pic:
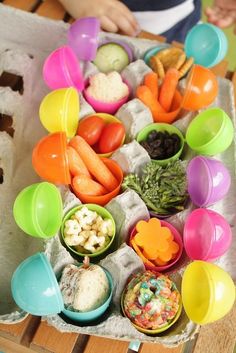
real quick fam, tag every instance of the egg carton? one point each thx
(24, 45)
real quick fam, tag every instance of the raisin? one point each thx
(161, 144)
(175, 137)
(161, 135)
(152, 136)
(170, 151)
(144, 144)
(156, 143)
(158, 153)
(168, 142)
(176, 146)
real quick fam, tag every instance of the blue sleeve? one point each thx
(180, 30)
(152, 5)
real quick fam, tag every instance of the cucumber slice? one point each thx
(111, 57)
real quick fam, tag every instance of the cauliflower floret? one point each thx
(87, 233)
(81, 240)
(107, 88)
(93, 215)
(101, 241)
(106, 227)
(87, 229)
(94, 227)
(90, 248)
(99, 220)
(92, 240)
(85, 217)
(91, 243)
(73, 240)
(96, 223)
(72, 227)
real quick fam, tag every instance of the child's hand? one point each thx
(222, 14)
(114, 16)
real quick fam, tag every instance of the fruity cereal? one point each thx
(151, 301)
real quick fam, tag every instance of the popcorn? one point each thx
(101, 240)
(87, 229)
(85, 216)
(107, 88)
(92, 240)
(73, 240)
(106, 227)
(86, 234)
(90, 248)
(72, 227)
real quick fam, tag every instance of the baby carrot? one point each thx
(160, 262)
(94, 164)
(151, 81)
(82, 184)
(146, 96)
(168, 88)
(140, 254)
(76, 165)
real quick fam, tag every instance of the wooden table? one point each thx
(34, 335)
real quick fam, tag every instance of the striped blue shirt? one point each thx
(171, 18)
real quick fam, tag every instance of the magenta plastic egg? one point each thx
(207, 235)
(62, 69)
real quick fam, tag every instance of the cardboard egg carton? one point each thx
(127, 208)
(134, 116)
(24, 45)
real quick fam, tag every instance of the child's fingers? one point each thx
(210, 14)
(208, 10)
(213, 14)
(123, 23)
(108, 25)
(220, 17)
(126, 27)
(226, 21)
(129, 16)
(211, 11)
(226, 4)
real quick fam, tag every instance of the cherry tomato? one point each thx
(91, 128)
(111, 137)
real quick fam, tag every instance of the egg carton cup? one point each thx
(135, 116)
(121, 263)
(24, 56)
(134, 73)
(131, 157)
(127, 209)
